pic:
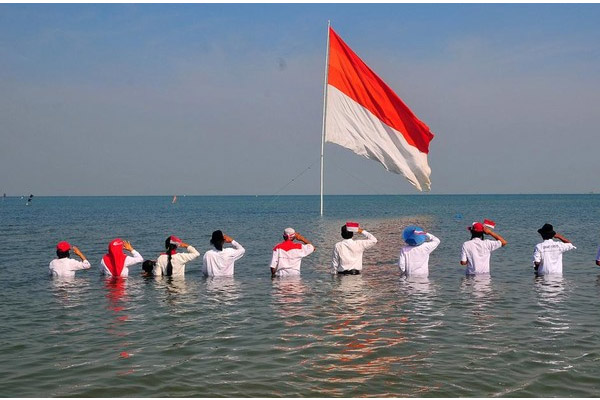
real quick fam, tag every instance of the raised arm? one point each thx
(562, 238)
(238, 250)
(191, 254)
(135, 256)
(496, 236)
(84, 264)
(303, 239)
(371, 240)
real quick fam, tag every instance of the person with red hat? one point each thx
(288, 255)
(172, 263)
(476, 253)
(63, 266)
(116, 262)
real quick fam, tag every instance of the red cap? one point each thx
(174, 239)
(63, 247)
(351, 224)
(476, 227)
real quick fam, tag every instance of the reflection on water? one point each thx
(288, 299)
(482, 297)
(417, 286)
(223, 289)
(68, 291)
(367, 339)
(116, 294)
(552, 321)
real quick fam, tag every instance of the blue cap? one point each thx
(411, 237)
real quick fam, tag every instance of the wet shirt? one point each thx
(414, 260)
(549, 255)
(66, 267)
(178, 261)
(287, 257)
(348, 253)
(477, 252)
(221, 263)
(129, 261)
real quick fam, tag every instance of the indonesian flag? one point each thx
(367, 117)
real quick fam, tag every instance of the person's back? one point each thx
(547, 256)
(221, 261)
(476, 253)
(115, 262)
(348, 254)
(173, 263)
(65, 267)
(414, 258)
(287, 255)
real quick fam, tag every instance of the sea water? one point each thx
(375, 334)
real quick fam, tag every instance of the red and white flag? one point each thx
(367, 117)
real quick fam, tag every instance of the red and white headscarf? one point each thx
(115, 258)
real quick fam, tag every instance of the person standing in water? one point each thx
(172, 263)
(287, 255)
(63, 266)
(220, 262)
(547, 256)
(414, 257)
(115, 262)
(348, 254)
(476, 253)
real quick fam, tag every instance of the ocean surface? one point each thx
(375, 334)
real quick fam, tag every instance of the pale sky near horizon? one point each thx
(220, 99)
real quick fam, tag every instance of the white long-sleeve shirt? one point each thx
(477, 252)
(129, 261)
(549, 255)
(348, 253)
(414, 260)
(222, 263)
(287, 257)
(66, 267)
(178, 261)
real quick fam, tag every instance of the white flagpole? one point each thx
(324, 110)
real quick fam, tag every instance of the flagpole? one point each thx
(324, 110)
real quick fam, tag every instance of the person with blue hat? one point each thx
(414, 257)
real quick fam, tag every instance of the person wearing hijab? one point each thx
(220, 261)
(115, 262)
(172, 263)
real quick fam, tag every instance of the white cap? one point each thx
(289, 233)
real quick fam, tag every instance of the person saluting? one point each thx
(221, 261)
(288, 255)
(172, 263)
(63, 266)
(476, 253)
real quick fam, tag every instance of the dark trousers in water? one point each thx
(349, 272)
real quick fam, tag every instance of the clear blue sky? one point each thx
(227, 99)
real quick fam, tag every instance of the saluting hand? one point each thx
(127, 246)
(228, 239)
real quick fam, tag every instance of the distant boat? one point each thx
(174, 200)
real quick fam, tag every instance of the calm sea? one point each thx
(370, 335)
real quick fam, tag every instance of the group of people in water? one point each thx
(287, 255)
